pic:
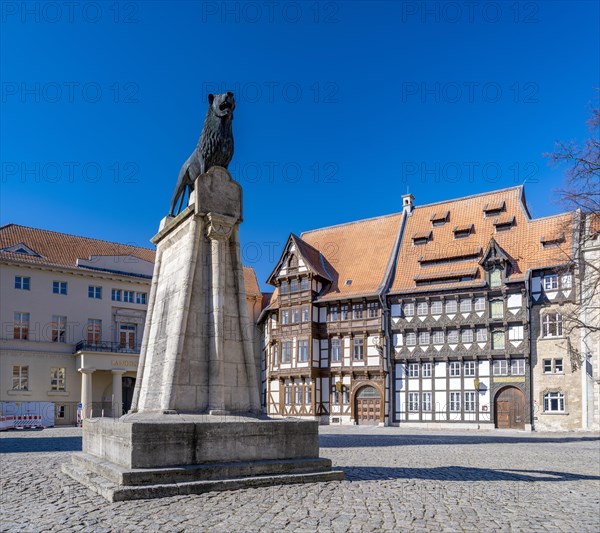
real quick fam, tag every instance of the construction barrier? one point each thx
(28, 421)
(7, 422)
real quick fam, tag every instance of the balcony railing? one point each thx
(117, 347)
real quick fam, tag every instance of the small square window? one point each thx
(451, 307)
(554, 402)
(500, 367)
(95, 292)
(409, 309)
(465, 305)
(129, 296)
(438, 337)
(411, 338)
(558, 366)
(469, 368)
(422, 308)
(116, 295)
(59, 287)
(413, 370)
(454, 368)
(140, 298)
(547, 366)
(22, 283)
(424, 338)
(517, 367)
(550, 282)
(436, 307)
(480, 304)
(452, 336)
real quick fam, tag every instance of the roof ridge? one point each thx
(469, 196)
(77, 236)
(350, 223)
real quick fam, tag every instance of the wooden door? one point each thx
(510, 409)
(368, 406)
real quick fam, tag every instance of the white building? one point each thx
(73, 311)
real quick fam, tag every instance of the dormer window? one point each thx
(551, 240)
(439, 219)
(461, 232)
(494, 208)
(496, 277)
(504, 223)
(422, 238)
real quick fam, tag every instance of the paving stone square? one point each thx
(396, 480)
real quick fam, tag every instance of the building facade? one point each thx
(73, 311)
(429, 317)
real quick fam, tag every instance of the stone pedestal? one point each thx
(195, 422)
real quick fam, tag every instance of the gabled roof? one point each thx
(312, 258)
(521, 242)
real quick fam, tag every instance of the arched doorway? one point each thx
(509, 407)
(367, 405)
(128, 386)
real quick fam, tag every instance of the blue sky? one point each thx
(341, 107)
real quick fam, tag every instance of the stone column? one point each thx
(86, 391)
(219, 230)
(117, 398)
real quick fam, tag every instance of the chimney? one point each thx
(408, 203)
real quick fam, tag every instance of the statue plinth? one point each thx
(195, 423)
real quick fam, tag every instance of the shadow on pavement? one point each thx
(358, 441)
(40, 444)
(458, 473)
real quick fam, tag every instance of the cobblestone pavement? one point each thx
(397, 480)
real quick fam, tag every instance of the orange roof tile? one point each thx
(357, 251)
(251, 283)
(61, 249)
(521, 242)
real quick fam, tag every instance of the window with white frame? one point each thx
(357, 311)
(438, 336)
(436, 307)
(275, 353)
(408, 309)
(422, 309)
(500, 367)
(455, 402)
(116, 295)
(517, 367)
(95, 292)
(452, 336)
(336, 350)
(466, 335)
(308, 393)
(411, 338)
(358, 349)
(515, 333)
(553, 366)
(469, 401)
(481, 334)
(465, 305)
(59, 287)
(552, 325)
(413, 370)
(413, 401)
(302, 351)
(469, 368)
(550, 282)
(426, 404)
(426, 370)
(424, 338)
(57, 378)
(554, 402)
(21, 326)
(285, 316)
(372, 309)
(305, 314)
(140, 298)
(286, 351)
(480, 303)
(287, 395)
(566, 281)
(498, 340)
(129, 296)
(454, 368)
(333, 313)
(344, 312)
(295, 316)
(20, 377)
(59, 328)
(298, 395)
(23, 283)
(451, 307)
